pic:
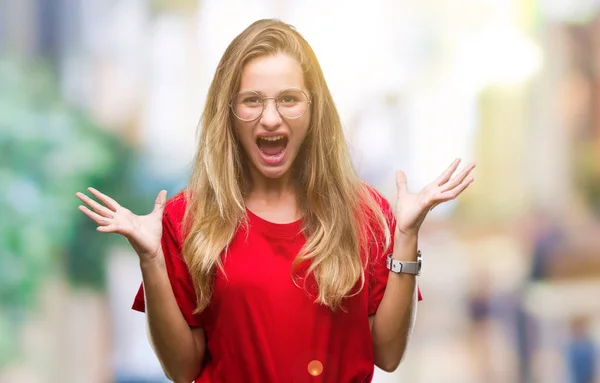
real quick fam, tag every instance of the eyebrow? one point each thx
(261, 93)
(251, 90)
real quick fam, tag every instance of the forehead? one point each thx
(271, 74)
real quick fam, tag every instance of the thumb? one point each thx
(159, 204)
(401, 182)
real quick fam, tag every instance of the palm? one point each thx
(408, 212)
(412, 208)
(142, 232)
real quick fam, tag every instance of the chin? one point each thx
(273, 174)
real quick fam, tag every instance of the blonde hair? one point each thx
(341, 214)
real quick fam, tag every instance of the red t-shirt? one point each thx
(259, 326)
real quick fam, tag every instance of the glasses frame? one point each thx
(264, 104)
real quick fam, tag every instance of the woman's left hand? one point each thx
(412, 208)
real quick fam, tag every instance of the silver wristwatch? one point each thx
(403, 267)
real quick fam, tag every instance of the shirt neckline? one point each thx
(280, 230)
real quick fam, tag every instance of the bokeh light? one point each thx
(315, 368)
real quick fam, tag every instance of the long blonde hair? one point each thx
(341, 215)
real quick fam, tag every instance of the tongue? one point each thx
(271, 148)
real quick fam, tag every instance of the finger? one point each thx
(96, 207)
(111, 203)
(445, 176)
(452, 194)
(107, 229)
(401, 182)
(97, 218)
(161, 201)
(460, 177)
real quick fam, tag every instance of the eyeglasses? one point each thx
(249, 105)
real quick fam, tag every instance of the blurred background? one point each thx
(108, 93)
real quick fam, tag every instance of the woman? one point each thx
(272, 265)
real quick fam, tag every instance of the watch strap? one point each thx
(404, 267)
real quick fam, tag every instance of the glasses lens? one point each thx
(247, 105)
(292, 103)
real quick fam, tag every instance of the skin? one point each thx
(272, 195)
(392, 325)
(181, 349)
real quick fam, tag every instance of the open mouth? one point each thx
(272, 146)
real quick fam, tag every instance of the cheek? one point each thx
(244, 135)
(301, 130)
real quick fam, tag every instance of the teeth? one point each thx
(272, 138)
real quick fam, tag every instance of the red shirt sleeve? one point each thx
(379, 273)
(179, 276)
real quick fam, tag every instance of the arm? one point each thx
(394, 320)
(179, 347)
(167, 294)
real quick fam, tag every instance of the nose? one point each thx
(270, 119)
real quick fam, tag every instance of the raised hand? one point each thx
(412, 208)
(143, 232)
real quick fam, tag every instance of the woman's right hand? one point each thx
(143, 232)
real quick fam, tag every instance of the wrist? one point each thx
(156, 260)
(405, 246)
(406, 237)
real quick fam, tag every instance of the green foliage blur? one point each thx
(48, 151)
